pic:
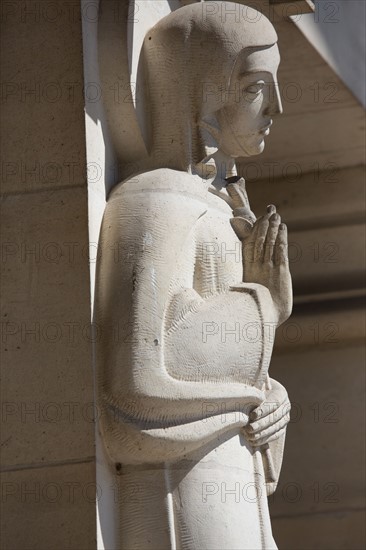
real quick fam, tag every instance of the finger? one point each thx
(269, 246)
(238, 194)
(260, 238)
(270, 439)
(271, 209)
(281, 247)
(269, 420)
(244, 212)
(242, 227)
(268, 407)
(262, 436)
(260, 230)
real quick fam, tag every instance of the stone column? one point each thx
(47, 429)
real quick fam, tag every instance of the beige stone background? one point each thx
(54, 174)
(47, 431)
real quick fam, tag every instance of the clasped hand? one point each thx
(268, 422)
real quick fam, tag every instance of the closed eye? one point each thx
(255, 88)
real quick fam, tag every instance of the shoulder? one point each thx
(157, 199)
(162, 180)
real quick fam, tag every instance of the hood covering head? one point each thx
(189, 58)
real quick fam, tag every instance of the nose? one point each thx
(279, 102)
(275, 103)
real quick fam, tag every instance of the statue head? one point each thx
(211, 72)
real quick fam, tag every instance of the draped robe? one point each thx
(182, 360)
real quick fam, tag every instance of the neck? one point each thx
(225, 168)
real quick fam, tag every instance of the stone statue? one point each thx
(190, 288)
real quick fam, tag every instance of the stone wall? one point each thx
(47, 429)
(319, 357)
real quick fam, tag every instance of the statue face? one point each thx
(253, 101)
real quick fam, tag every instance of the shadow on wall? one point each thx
(337, 31)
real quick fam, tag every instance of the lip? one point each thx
(266, 129)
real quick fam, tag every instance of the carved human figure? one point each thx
(192, 287)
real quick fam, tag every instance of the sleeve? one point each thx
(163, 364)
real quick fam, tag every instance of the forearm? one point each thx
(131, 441)
(209, 360)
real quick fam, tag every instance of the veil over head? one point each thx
(189, 59)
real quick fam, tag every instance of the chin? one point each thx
(258, 148)
(253, 149)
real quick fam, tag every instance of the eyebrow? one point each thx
(248, 73)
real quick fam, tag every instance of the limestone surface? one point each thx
(190, 289)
